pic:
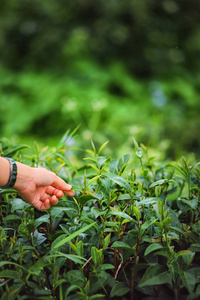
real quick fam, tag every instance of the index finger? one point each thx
(60, 184)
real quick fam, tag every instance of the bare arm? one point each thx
(37, 186)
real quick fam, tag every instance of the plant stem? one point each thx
(132, 285)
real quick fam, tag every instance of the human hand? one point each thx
(40, 187)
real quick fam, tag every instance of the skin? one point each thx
(37, 186)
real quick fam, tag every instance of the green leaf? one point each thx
(146, 224)
(188, 280)
(11, 151)
(160, 182)
(96, 212)
(14, 291)
(3, 263)
(106, 241)
(121, 214)
(139, 152)
(118, 180)
(119, 289)
(167, 220)
(93, 179)
(119, 244)
(135, 143)
(187, 256)
(155, 275)
(57, 244)
(40, 220)
(147, 201)
(75, 277)
(137, 212)
(97, 296)
(18, 203)
(83, 199)
(160, 209)
(180, 169)
(124, 197)
(72, 257)
(101, 160)
(7, 191)
(11, 218)
(104, 267)
(194, 248)
(102, 147)
(96, 254)
(189, 203)
(177, 230)
(9, 274)
(38, 266)
(153, 247)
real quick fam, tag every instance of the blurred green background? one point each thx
(118, 68)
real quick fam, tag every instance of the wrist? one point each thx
(24, 176)
(9, 168)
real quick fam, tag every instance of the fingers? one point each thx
(42, 205)
(53, 191)
(70, 193)
(53, 200)
(61, 184)
(45, 202)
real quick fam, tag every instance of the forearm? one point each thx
(24, 174)
(4, 171)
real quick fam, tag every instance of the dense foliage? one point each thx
(107, 104)
(118, 68)
(152, 38)
(132, 231)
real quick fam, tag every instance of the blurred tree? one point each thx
(152, 38)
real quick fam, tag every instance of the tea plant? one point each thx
(126, 234)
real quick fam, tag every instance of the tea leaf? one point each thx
(12, 218)
(102, 147)
(57, 244)
(101, 160)
(96, 254)
(72, 257)
(42, 219)
(12, 151)
(155, 275)
(137, 212)
(119, 244)
(19, 204)
(96, 212)
(83, 199)
(106, 241)
(104, 267)
(146, 225)
(167, 220)
(152, 247)
(93, 179)
(75, 277)
(119, 289)
(124, 197)
(119, 180)
(160, 182)
(9, 274)
(135, 143)
(188, 280)
(122, 215)
(147, 201)
(177, 230)
(3, 263)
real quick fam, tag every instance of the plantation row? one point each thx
(126, 234)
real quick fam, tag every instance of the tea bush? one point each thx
(108, 103)
(128, 233)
